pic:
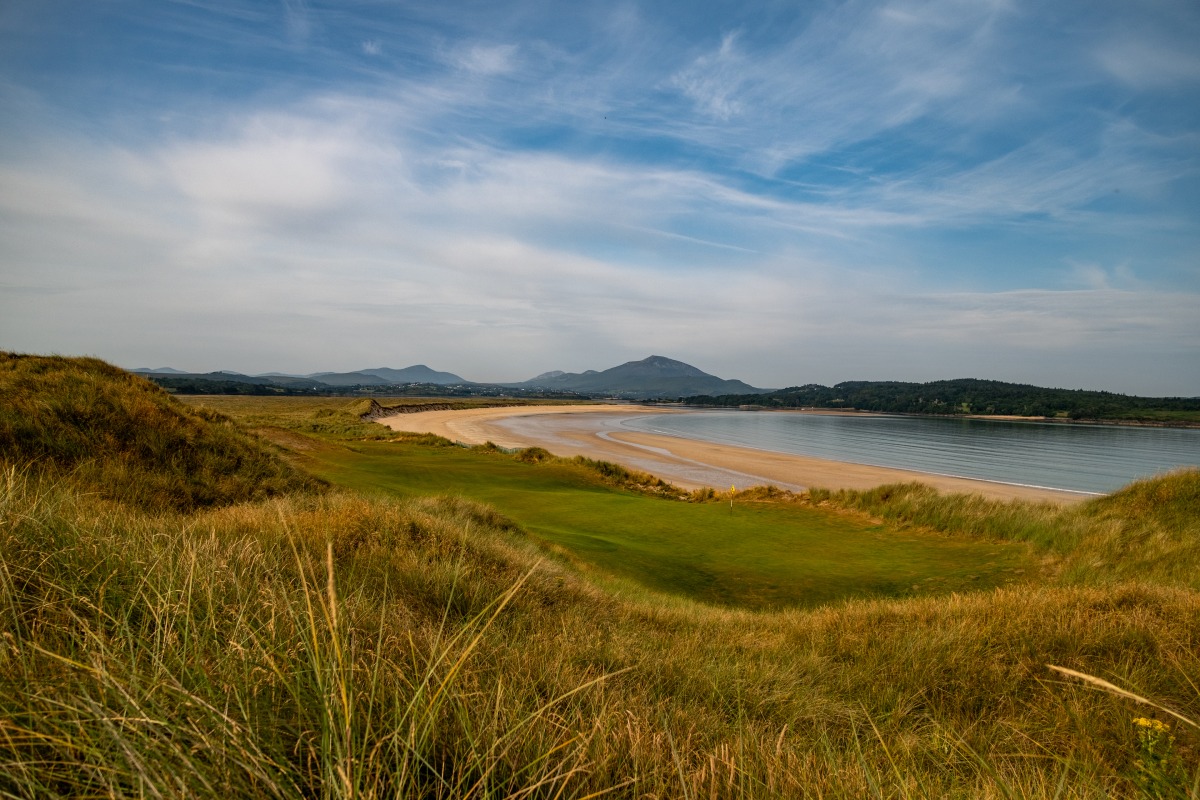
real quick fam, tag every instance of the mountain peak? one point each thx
(658, 367)
(417, 373)
(654, 376)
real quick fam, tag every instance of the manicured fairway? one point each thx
(760, 555)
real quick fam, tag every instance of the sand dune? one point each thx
(595, 431)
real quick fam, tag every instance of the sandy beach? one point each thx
(595, 431)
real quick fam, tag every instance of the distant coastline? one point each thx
(851, 412)
(970, 397)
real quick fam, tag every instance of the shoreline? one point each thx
(860, 412)
(594, 431)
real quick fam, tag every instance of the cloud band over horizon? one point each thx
(857, 190)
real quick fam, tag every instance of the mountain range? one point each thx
(379, 376)
(650, 378)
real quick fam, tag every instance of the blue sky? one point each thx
(779, 192)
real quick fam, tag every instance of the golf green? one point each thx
(755, 554)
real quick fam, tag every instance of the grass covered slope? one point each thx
(1147, 531)
(125, 438)
(344, 645)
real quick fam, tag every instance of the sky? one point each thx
(776, 191)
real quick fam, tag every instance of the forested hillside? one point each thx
(970, 396)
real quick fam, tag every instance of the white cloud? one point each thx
(850, 74)
(713, 81)
(297, 21)
(275, 169)
(471, 257)
(1151, 64)
(487, 59)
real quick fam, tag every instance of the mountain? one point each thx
(222, 375)
(418, 373)
(653, 377)
(379, 376)
(349, 379)
(386, 376)
(174, 378)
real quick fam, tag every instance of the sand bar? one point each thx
(595, 431)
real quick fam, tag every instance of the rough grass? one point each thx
(344, 647)
(123, 437)
(337, 418)
(1150, 530)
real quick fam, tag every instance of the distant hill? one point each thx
(969, 396)
(175, 379)
(267, 383)
(656, 377)
(653, 377)
(349, 379)
(418, 373)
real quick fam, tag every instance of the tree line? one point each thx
(968, 396)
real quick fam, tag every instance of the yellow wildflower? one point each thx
(1152, 724)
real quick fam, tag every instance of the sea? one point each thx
(1083, 458)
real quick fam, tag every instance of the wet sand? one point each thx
(595, 431)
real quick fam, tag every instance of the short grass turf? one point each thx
(759, 555)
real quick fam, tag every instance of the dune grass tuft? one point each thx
(123, 437)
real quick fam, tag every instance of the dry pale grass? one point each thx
(338, 646)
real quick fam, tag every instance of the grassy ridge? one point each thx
(1148, 531)
(344, 645)
(125, 438)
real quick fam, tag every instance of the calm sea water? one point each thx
(1078, 457)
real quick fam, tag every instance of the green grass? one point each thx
(761, 555)
(757, 555)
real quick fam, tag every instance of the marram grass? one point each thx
(1148, 531)
(343, 647)
(130, 441)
